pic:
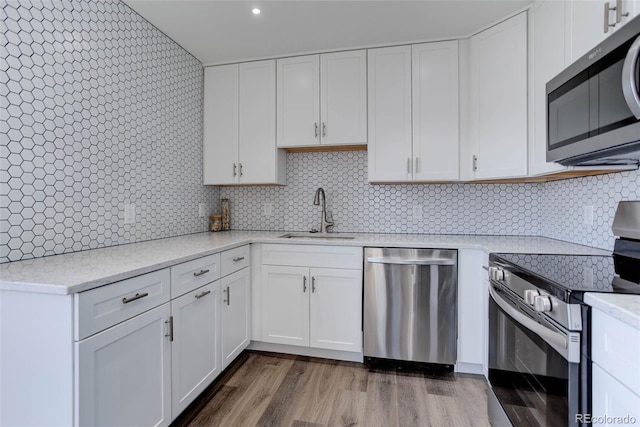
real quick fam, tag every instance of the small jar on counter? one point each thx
(215, 222)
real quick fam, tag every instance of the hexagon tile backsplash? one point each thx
(100, 109)
(553, 209)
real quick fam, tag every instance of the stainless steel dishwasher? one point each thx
(410, 304)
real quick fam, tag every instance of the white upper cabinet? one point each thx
(548, 58)
(298, 101)
(499, 100)
(322, 99)
(586, 21)
(239, 125)
(413, 113)
(220, 150)
(390, 141)
(435, 111)
(343, 98)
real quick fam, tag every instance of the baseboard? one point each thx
(469, 368)
(306, 351)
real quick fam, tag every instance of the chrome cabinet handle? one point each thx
(619, 13)
(313, 284)
(133, 298)
(607, 18)
(324, 129)
(304, 284)
(203, 294)
(234, 169)
(475, 163)
(240, 169)
(170, 333)
(238, 258)
(228, 300)
(315, 125)
(201, 272)
(629, 84)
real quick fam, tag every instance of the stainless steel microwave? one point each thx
(593, 106)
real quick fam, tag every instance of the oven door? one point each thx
(529, 372)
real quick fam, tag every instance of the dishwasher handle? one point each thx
(412, 261)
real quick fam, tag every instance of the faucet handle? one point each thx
(329, 219)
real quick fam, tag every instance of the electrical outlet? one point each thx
(130, 213)
(416, 212)
(200, 210)
(587, 215)
(267, 209)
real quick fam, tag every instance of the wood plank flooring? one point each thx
(269, 389)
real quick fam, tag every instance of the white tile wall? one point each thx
(553, 209)
(358, 206)
(99, 109)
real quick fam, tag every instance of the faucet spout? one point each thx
(320, 199)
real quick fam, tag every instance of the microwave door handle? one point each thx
(629, 80)
(554, 338)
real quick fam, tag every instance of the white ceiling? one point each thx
(218, 32)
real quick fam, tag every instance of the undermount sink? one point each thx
(314, 236)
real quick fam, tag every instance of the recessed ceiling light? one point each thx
(255, 11)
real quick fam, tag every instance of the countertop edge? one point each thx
(623, 307)
(269, 237)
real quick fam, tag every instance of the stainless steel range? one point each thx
(539, 327)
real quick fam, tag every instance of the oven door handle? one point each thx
(554, 338)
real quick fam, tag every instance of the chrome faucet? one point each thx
(324, 223)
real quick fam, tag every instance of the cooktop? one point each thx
(570, 276)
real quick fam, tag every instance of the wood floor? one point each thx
(268, 389)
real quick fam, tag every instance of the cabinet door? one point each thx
(612, 399)
(389, 100)
(585, 25)
(257, 152)
(195, 350)
(548, 59)
(343, 97)
(123, 374)
(220, 150)
(285, 305)
(298, 101)
(235, 314)
(499, 99)
(336, 309)
(435, 111)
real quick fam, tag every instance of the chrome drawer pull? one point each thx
(201, 272)
(170, 324)
(203, 294)
(238, 258)
(228, 300)
(133, 298)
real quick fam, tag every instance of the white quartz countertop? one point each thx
(625, 308)
(80, 271)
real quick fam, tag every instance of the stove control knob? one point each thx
(496, 273)
(530, 295)
(542, 304)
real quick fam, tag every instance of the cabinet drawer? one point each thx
(106, 306)
(615, 346)
(234, 260)
(191, 275)
(313, 256)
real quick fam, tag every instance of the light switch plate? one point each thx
(130, 213)
(416, 212)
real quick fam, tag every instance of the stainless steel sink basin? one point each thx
(314, 236)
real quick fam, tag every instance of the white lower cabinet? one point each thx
(195, 346)
(307, 304)
(236, 305)
(315, 307)
(123, 373)
(611, 399)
